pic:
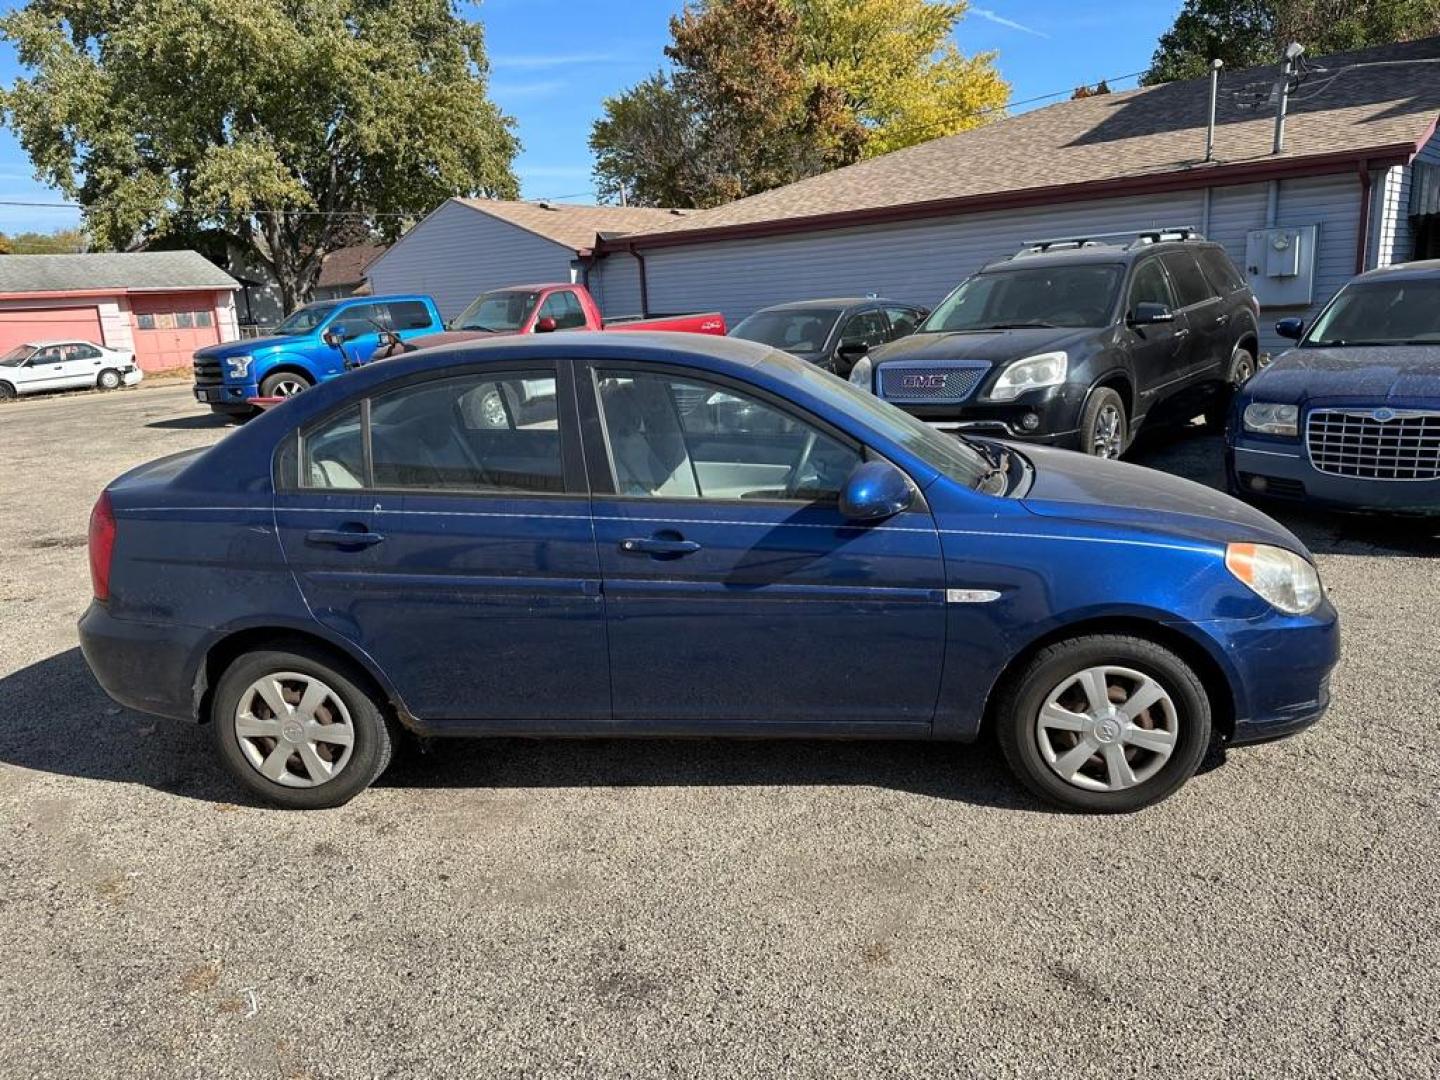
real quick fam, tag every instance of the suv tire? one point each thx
(1241, 370)
(1104, 427)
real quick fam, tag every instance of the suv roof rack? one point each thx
(1137, 239)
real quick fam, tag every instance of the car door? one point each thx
(1159, 352)
(1205, 316)
(735, 591)
(563, 306)
(452, 542)
(361, 325)
(45, 370)
(82, 363)
(859, 333)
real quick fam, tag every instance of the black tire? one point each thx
(7, 392)
(109, 379)
(1241, 370)
(375, 733)
(277, 384)
(1104, 405)
(1018, 709)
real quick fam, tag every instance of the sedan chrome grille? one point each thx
(924, 384)
(1375, 444)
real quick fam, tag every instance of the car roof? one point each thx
(1421, 268)
(373, 299)
(60, 341)
(1093, 254)
(836, 301)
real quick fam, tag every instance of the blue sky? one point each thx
(555, 60)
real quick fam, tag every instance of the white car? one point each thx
(65, 365)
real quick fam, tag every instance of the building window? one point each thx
(145, 322)
(184, 320)
(204, 318)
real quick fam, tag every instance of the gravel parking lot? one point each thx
(699, 908)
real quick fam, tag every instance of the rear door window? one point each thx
(408, 315)
(1220, 270)
(1190, 285)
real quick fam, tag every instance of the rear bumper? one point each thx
(148, 667)
(1268, 469)
(133, 377)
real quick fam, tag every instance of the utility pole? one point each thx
(1293, 52)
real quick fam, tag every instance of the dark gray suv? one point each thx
(1077, 341)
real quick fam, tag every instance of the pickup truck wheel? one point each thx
(109, 379)
(296, 727)
(1105, 724)
(284, 384)
(1104, 428)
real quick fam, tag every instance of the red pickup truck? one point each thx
(541, 309)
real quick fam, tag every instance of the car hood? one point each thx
(986, 346)
(1083, 488)
(1371, 373)
(252, 346)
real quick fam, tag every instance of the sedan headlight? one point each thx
(238, 366)
(1282, 578)
(1032, 373)
(1268, 418)
(862, 374)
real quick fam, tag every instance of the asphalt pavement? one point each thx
(700, 908)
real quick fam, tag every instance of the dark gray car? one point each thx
(831, 333)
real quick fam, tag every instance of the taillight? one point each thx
(102, 545)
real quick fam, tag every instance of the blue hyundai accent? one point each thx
(673, 535)
(1350, 418)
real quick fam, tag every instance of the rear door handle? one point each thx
(658, 546)
(344, 537)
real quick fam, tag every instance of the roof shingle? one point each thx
(119, 271)
(346, 266)
(573, 225)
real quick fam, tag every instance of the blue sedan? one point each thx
(1350, 418)
(676, 535)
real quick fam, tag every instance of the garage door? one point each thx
(169, 328)
(19, 325)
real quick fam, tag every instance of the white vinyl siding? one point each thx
(459, 252)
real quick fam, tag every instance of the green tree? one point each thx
(289, 126)
(58, 242)
(765, 92)
(1248, 33)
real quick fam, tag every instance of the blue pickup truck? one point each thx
(316, 343)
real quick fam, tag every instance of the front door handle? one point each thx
(344, 537)
(655, 545)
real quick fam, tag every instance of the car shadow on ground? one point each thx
(1185, 452)
(198, 422)
(54, 718)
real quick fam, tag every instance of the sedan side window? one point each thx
(903, 321)
(678, 438)
(868, 328)
(1150, 286)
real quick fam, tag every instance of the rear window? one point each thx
(1190, 284)
(1220, 270)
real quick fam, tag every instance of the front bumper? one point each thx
(149, 667)
(226, 395)
(1050, 417)
(1276, 469)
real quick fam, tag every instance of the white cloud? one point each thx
(1000, 20)
(503, 91)
(543, 61)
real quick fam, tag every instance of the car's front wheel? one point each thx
(284, 384)
(299, 728)
(1104, 427)
(1104, 723)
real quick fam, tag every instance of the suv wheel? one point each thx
(1105, 724)
(1242, 369)
(1104, 429)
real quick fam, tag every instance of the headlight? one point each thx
(1270, 419)
(1032, 373)
(862, 375)
(1280, 577)
(238, 366)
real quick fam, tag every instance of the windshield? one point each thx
(797, 330)
(16, 356)
(1037, 296)
(1405, 312)
(306, 319)
(505, 310)
(951, 456)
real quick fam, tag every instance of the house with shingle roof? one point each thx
(467, 246)
(342, 272)
(1358, 180)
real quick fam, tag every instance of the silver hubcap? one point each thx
(288, 387)
(1244, 368)
(1109, 433)
(109, 381)
(1107, 728)
(294, 730)
(493, 410)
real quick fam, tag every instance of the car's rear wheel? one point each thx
(299, 728)
(1104, 724)
(109, 379)
(1104, 427)
(284, 384)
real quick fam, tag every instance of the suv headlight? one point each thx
(1032, 373)
(862, 374)
(1282, 578)
(237, 367)
(1268, 418)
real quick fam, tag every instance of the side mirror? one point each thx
(1290, 328)
(876, 490)
(1148, 314)
(545, 325)
(334, 337)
